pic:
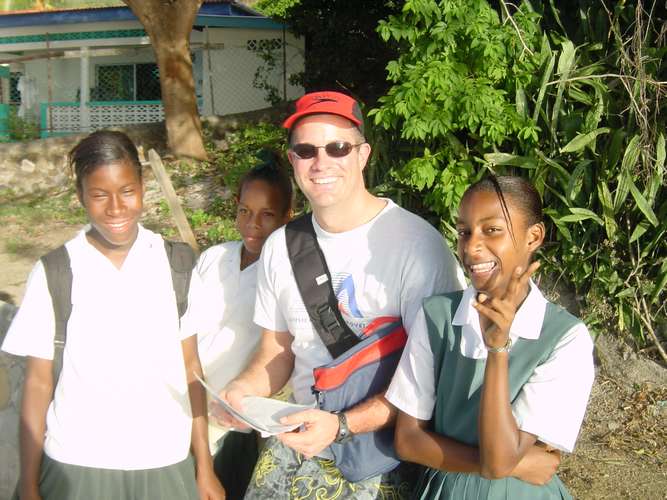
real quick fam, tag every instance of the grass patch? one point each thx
(62, 208)
(20, 247)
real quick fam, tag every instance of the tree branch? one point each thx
(516, 28)
(608, 75)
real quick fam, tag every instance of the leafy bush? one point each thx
(21, 129)
(342, 49)
(572, 102)
(216, 223)
(244, 145)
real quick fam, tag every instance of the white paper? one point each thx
(262, 414)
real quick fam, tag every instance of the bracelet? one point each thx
(505, 348)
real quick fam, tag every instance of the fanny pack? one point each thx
(362, 366)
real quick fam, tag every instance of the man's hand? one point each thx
(538, 465)
(233, 393)
(319, 430)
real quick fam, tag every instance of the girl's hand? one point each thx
(29, 492)
(209, 486)
(538, 465)
(498, 313)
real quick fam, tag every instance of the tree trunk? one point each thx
(169, 24)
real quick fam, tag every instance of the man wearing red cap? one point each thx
(383, 261)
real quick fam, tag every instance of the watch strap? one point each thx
(505, 348)
(343, 435)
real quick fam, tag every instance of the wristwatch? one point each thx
(505, 348)
(344, 434)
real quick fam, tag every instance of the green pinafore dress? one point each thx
(459, 381)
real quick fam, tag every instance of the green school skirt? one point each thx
(440, 485)
(60, 481)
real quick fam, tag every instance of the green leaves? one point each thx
(583, 140)
(643, 205)
(469, 95)
(581, 214)
(604, 196)
(565, 64)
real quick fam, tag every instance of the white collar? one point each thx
(527, 322)
(145, 241)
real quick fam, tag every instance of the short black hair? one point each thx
(273, 171)
(102, 148)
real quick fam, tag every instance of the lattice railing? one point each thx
(65, 117)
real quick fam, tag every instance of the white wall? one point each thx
(233, 67)
(229, 88)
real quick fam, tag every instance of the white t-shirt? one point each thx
(122, 399)
(382, 268)
(550, 405)
(220, 313)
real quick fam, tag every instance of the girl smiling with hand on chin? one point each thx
(126, 411)
(503, 374)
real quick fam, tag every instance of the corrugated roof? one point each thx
(232, 6)
(216, 8)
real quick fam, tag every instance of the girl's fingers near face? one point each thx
(489, 312)
(513, 285)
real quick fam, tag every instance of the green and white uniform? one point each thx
(442, 369)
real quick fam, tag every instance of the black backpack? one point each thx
(59, 280)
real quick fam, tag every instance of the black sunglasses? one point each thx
(336, 149)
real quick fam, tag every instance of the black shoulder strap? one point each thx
(59, 280)
(182, 260)
(314, 282)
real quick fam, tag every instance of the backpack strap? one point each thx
(59, 281)
(182, 261)
(314, 283)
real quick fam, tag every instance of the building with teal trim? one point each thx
(94, 68)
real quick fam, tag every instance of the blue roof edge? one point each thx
(209, 12)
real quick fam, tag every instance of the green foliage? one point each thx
(343, 51)
(244, 145)
(216, 223)
(263, 75)
(61, 208)
(454, 91)
(275, 8)
(21, 129)
(539, 94)
(18, 246)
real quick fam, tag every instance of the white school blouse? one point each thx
(220, 313)
(122, 399)
(550, 405)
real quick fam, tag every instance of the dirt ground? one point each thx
(622, 450)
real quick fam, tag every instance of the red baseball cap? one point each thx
(327, 102)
